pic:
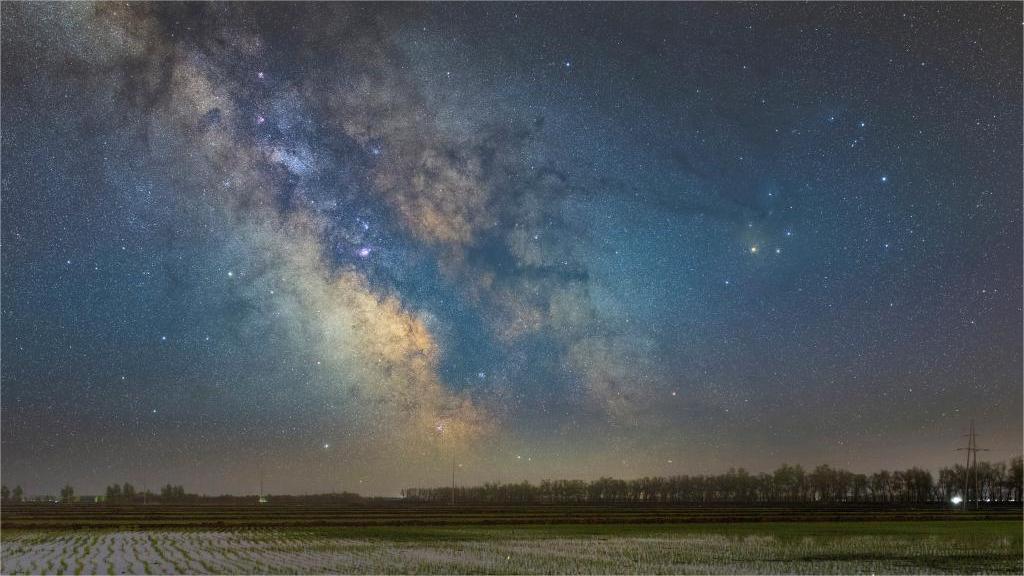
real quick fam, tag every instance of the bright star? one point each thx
(753, 249)
(364, 252)
(885, 178)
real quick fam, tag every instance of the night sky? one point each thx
(348, 243)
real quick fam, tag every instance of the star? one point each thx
(885, 178)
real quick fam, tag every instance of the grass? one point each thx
(756, 547)
(967, 529)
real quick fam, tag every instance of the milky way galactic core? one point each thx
(351, 244)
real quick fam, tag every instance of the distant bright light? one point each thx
(753, 249)
(885, 178)
(956, 500)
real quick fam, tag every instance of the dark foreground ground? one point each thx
(44, 515)
(51, 539)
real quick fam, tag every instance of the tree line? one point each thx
(171, 493)
(17, 495)
(996, 482)
(124, 493)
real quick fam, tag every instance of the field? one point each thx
(529, 540)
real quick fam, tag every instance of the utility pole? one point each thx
(971, 464)
(260, 499)
(440, 428)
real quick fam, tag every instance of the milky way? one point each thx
(348, 244)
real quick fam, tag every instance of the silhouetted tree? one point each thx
(1015, 480)
(17, 494)
(67, 493)
(172, 492)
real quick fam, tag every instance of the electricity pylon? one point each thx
(971, 465)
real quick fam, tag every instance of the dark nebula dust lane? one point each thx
(349, 243)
